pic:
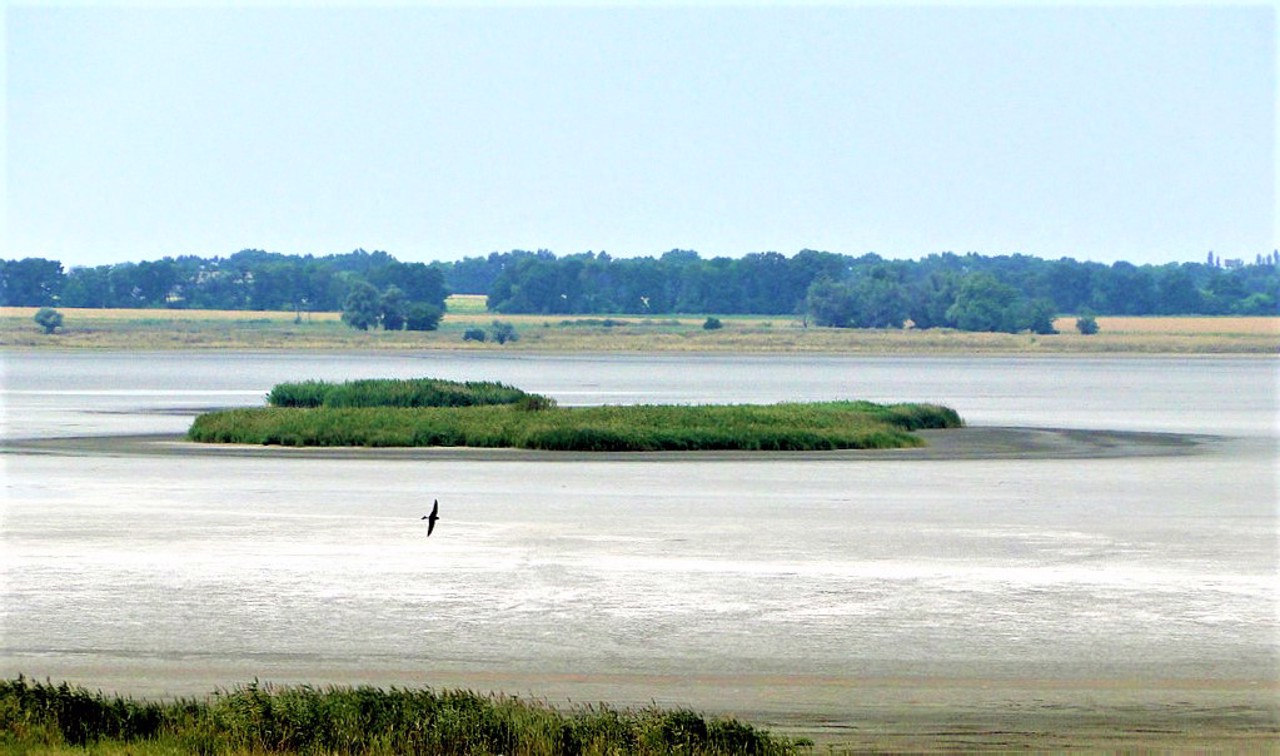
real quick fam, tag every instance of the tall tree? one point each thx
(362, 306)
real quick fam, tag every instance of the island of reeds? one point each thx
(428, 412)
(258, 719)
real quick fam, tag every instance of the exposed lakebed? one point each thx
(1132, 567)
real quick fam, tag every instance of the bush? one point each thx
(49, 319)
(502, 332)
(712, 324)
(421, 316)
(1087, 324)
(474, 334)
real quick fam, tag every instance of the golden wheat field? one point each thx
(1226, 325)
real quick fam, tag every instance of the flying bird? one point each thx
(431, 518)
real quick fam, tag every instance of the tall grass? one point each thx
(341, 720)
(777, 427)
(420, 392)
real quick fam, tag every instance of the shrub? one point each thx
(535, 403)
(49, 319)
(712, 324)
(421, 316)
(474, 334)
(1087, 324)
(502, 332)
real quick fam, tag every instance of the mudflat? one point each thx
(960, 443)
(898, 708)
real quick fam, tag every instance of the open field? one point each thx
(215, 329)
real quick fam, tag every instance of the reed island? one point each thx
(432, 412)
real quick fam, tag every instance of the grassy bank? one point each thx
(789, 427)
(201, 329)
(253, 719)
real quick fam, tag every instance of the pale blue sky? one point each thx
(1101, 132)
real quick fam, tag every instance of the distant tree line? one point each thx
(386, 292)
(969, 292)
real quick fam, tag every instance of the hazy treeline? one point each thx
(938, 290)
(247, 280)
(970, 291)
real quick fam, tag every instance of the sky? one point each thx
(1104, 132)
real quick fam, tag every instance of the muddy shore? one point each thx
(961, 443)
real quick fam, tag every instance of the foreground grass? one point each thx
(254, 719)
(776, 427)
(203, 329)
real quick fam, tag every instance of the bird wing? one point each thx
(431, 520)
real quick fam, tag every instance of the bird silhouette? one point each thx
(431, 518)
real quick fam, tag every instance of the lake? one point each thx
(773, 585)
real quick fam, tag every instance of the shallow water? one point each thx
(1154, 567)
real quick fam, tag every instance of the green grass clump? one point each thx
(531, 425)
(255, 719)
(420, 392)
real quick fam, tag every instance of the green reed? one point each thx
(419, 392)
(529, 425)
(48, 718)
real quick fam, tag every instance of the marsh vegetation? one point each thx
(422, 392)
(776, 427)
(433, 412)
(253, 719)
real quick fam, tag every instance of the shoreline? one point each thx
(968, 443)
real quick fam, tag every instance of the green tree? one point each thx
(712, 324)
(982, 304)
(392, 308)
(931, 298)
(362, 306)
(829, 303)
(880, 299)
(1177, 293)
(30, 282)
(49, 319)
(87, 287)
(420, 316)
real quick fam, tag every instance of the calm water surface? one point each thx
(1154, 567)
